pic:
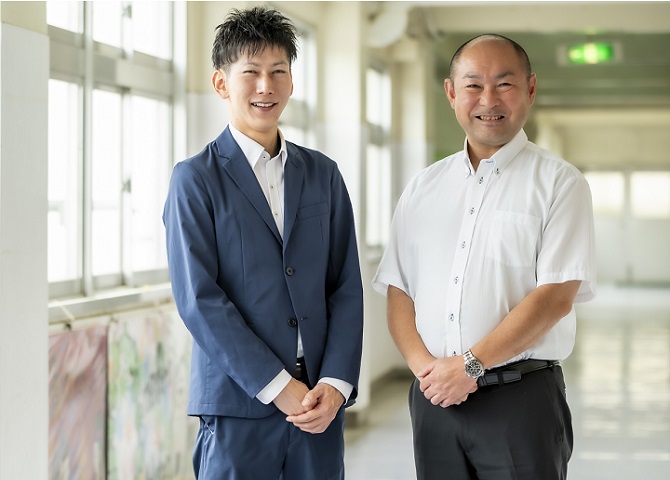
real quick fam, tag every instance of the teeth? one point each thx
(262, 104)
(490, 117)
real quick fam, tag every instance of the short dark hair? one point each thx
(523, 56)
(250, 32)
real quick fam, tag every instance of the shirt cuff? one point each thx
(343, 387)
(274, 388)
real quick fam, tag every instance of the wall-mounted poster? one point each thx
(149, 434)
(77, 400)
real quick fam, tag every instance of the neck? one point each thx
(268, 140)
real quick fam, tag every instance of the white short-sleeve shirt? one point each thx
(468, 246)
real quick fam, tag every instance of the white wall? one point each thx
(23, 252)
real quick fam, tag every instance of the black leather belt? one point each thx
(513, 372)
(300, 372)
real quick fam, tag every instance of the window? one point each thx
(64, 220)
(607, 191)
(297, 120)
(378, 167)
(650, 194)
(111, 102)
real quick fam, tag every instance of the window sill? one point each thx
(108, 302)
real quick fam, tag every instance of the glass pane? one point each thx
(650, 194)
(378, 195)
(106, 183)
(65, 15)
(299, 71)
(64, 246)
(607, 190)
(149, 169)
(378, 98)
(107, 18)
(152, 28)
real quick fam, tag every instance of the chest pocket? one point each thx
(313, 211)
(512, 239)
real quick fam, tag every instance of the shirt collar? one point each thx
(503, 156)
(253, 150)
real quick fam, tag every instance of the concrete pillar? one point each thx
(24, 378)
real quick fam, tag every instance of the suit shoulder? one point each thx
(310, 155)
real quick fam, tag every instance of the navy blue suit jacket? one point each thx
(241, 290)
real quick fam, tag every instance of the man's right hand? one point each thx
(290, 398)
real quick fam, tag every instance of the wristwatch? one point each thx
(473, 367)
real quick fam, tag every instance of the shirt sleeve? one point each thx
(568, 240)
(343, 387)
(390, 270)
(274, 388)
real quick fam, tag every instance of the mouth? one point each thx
(263, 104)
(489, 118)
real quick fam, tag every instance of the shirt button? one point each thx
(481, 180)
(289, 271)
(454, 354)
(455, 279)
(292, 322)
(463, 245)
(472, 210)
(451, 317)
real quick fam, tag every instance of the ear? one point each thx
(220, 84)
(532, 87)
(450, 91)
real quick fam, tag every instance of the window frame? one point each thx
(379, 135)
(77, 59)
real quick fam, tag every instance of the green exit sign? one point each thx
(591, 53)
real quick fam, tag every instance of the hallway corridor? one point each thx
(618, 386)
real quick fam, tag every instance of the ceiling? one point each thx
(640, 31)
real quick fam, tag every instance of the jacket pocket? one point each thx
(313, 210)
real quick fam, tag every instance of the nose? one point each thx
(489, 97)
(264, 84)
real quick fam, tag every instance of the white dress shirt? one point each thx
(468, 246)
(270, 175)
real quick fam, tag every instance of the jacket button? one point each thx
(292, 322)
(289, 271)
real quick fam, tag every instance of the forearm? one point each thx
(526, 323)
(401, 319)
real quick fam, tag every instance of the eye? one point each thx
(504, 86)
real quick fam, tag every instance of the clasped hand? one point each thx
(309, 410)
(444, 382)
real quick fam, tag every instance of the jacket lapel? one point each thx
(234, 162)
(294, 173)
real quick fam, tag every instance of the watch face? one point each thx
(474, 369)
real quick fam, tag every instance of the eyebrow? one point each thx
(508, 73)
(256, 64)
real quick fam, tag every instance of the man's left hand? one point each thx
(444, 382)
(323, 403)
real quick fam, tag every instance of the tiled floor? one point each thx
(618, 381)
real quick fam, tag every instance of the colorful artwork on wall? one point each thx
(149, 434)
(77, 404)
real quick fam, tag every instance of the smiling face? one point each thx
(257, 89)
(491, 93)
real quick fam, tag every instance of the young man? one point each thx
(265, 274)
(489, 250)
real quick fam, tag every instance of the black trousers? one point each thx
(520, 431)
